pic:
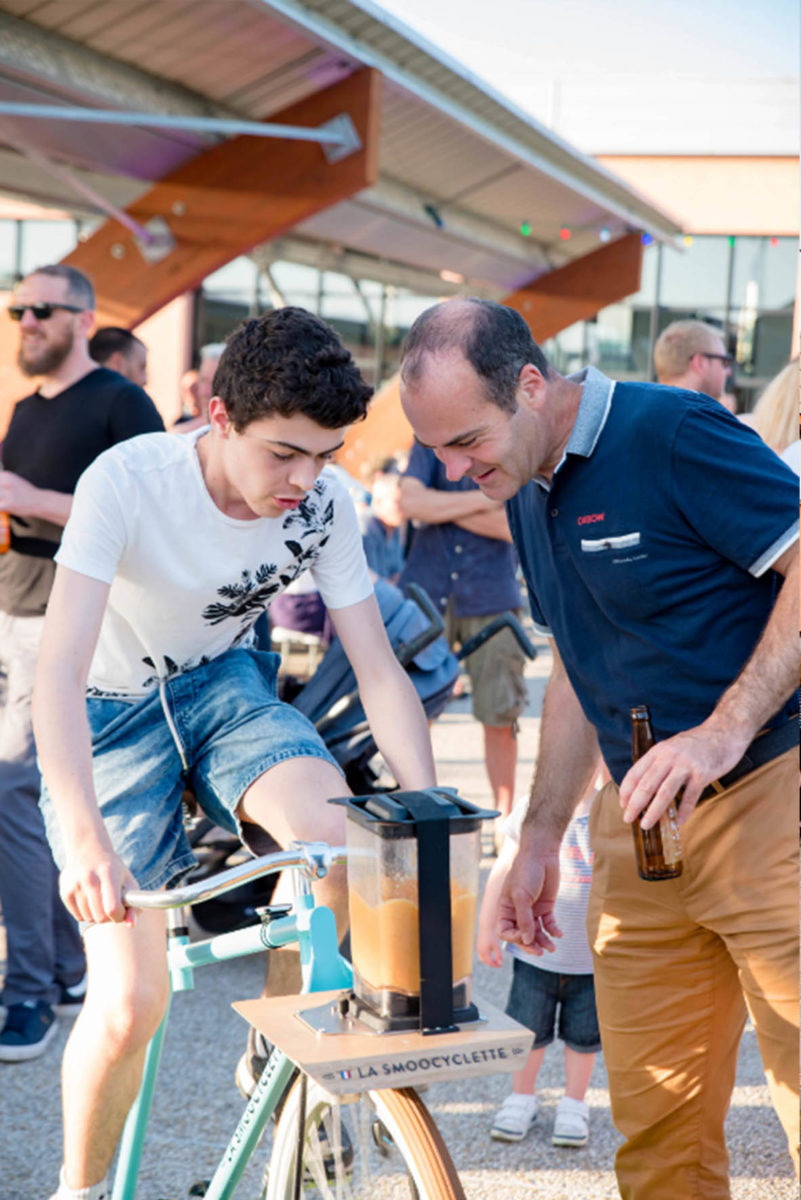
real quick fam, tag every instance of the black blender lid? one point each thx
(397, 814)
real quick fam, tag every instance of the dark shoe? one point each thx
(30, 1027)
(70, 1002)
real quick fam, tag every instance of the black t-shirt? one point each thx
(50, 442)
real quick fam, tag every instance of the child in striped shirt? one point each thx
(541, 985)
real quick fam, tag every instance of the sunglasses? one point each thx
(42, 312)
(726, 359)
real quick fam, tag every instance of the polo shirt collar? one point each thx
(593, 410)
(596, 400)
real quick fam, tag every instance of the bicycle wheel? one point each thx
(380, 1145)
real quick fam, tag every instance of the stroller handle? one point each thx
(408, 651)
(505, 620)
(405, 652)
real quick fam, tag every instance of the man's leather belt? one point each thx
(763, 749)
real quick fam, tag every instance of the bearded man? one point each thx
(78, 410)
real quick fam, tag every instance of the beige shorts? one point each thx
(495, 669)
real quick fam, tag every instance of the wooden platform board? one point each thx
(356, 1062)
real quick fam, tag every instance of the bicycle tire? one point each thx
(401, 1154)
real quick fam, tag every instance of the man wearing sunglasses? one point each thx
(77, 410)
(691, 355)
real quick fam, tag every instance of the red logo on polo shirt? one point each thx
(591, 518)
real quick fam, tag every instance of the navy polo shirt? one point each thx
(649, 556)
(448, 561)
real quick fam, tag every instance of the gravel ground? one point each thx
(197, 1104)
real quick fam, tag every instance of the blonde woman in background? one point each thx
(775, 415)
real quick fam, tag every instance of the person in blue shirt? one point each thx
(382, 523)
(659, 541)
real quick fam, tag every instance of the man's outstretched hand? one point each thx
(525, 911)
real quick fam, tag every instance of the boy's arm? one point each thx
(488, 944)
(93, 875)
(394, 712)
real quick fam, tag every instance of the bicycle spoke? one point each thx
(349, 1153)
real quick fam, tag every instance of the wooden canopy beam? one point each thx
(229, 199)
(581, 289)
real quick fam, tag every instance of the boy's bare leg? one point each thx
(290, 800)
(126, 997)
(524, 1081)
(578, 1069)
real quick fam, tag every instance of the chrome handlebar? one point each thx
(313, 859)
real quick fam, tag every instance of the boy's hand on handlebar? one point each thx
(92, 888)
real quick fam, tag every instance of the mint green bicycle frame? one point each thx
(311, 926)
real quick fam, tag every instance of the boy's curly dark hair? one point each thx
(289, 361)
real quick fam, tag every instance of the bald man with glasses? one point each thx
(77, 410)
(691, 355)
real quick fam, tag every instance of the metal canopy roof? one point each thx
(459, 168)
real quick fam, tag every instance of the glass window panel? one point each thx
(45, 242)
(403, 308)
(217, 317)
(336, 284)
(235, 281)
(764, 274)
(298, 284)
(337, 306)
(695, 277)
(647, 290)
(8, 244)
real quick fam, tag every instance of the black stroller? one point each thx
(330, 699)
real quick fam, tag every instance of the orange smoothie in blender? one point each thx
(385, 939)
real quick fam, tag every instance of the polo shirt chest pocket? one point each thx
(618, 571)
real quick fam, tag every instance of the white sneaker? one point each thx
(515, 1117)
(572, 1124)
(97, 1191)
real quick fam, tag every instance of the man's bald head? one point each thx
(495, 341)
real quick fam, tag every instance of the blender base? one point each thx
(349, 1014)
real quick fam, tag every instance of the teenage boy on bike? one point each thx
(148, 682)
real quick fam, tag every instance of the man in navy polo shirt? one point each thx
(658, 537)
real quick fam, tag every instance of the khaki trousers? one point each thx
(676, 963)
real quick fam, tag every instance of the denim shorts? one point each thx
(232, 728)
(533, 1000)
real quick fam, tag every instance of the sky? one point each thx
(702, 76)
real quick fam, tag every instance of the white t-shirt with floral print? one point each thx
(187, 581)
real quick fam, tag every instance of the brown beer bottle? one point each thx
(5, 533)
(658, 849)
